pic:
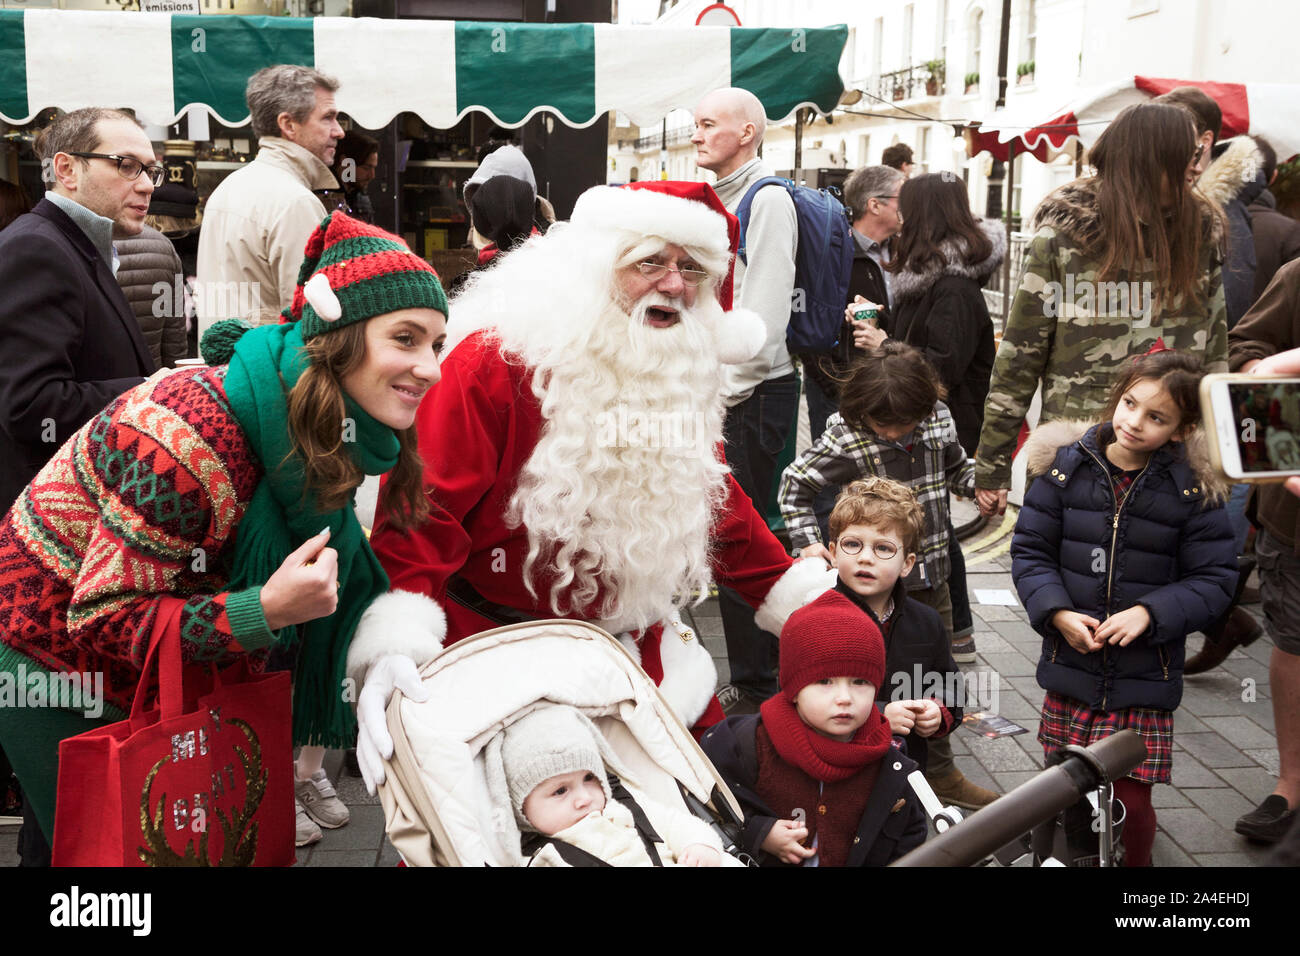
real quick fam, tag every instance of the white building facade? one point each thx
(925, 65)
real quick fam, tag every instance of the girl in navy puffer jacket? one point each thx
(1122, 548)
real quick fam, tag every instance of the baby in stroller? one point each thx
(550, 766)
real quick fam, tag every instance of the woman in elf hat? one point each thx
(228, 488)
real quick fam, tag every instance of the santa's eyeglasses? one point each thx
(884, 550)
(654, 271)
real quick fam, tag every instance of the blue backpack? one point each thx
(822, 267)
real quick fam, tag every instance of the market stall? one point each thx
(161, 64)
(1045, 129)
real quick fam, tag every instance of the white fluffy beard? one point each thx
(622, 490)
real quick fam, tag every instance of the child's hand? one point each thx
(901, 717)
(785, 842)
(699, 854)
(928, 716)
(1125, 627)
(816, 550)
(1078, 630)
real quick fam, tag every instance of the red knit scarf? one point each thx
(824, 758)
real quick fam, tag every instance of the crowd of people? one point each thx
(515, 491)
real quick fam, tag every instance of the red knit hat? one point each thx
(831, 637)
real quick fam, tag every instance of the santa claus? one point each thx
(573, 455)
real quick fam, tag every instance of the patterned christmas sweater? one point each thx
(141, 505)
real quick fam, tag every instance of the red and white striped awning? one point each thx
(1045, 129)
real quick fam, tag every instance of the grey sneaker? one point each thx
(305, 830)
(321, 802)
(963, 650)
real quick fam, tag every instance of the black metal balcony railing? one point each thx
(676, 136)
(907, 84)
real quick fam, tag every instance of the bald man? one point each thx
(762, 395)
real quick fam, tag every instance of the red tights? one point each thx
(1139, 821)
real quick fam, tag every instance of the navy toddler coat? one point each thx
(1168, 547)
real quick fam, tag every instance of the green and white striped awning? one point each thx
(161, 64)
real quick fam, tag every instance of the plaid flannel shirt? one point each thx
(936, 464)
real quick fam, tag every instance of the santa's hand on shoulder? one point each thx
(397, 633)
(805, 580)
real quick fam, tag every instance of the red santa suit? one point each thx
(479, 427)
(476, 430)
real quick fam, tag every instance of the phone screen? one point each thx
(1268, 418)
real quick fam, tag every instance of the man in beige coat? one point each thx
(257, 221)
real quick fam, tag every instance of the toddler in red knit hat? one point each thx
(816, 770)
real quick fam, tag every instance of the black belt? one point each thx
(464, 594)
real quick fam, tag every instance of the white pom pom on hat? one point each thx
(741, 334)
(321, 297)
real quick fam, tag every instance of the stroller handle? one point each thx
(1031, 803)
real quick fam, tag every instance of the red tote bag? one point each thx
(203, 778)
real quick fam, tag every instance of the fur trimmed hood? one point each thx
(1046, 440)
(912, 285)
(1238, 173)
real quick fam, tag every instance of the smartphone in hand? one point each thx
(1252, 425)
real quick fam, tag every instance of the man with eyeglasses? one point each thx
(71, 343)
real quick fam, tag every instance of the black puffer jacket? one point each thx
(942, 312)
(148, 270)
(1168, 547)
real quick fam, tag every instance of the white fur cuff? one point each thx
(399, 622)
(647, 212)
(741, 336)
(804, 581)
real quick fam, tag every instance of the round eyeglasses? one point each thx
(128, 167)
(884, 550)
(654, 271)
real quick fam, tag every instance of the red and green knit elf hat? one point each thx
(353, 271)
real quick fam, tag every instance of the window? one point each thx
(1031, 31)
(922, 155)
(908, 12)
(976, 38)
(864, 150)
(943, 30)
(877, 46)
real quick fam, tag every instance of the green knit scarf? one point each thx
(266, 364)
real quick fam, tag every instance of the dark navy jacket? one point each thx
(892, 825)
(1169, 548)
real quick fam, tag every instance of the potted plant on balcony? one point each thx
(972, 82)
(934, 82)
(1025, 73)
(899, 90)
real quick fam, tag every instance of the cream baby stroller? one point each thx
(437, 807)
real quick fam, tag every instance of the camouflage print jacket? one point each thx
(1073, 333)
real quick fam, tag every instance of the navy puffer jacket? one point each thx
(1170, 548)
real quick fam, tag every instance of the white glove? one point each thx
(374, 744)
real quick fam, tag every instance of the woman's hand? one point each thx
(1078, 630)
(866, 335)
(991, 501)
(1125, 627)
(305, 587)
(785, 842)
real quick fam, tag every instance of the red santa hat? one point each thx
(685, 214)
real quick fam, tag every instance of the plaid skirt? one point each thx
(1066, 721)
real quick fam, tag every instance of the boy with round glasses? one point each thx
(892, 424)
